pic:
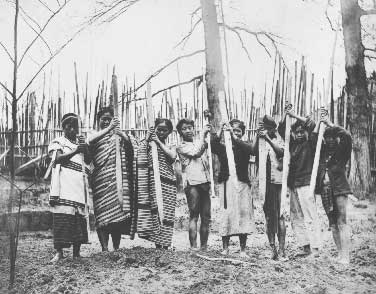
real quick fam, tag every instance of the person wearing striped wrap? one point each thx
(113, 216)
(149, 225)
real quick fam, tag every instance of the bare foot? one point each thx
(58, 256)
(244, 254)
(225, 252)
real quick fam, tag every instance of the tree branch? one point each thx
(42, 30)
(256, 34)
(178, 84)
(368, 12)
(185, 39)
(6, 51)
(240, 39)
(111, 11)
(46, 6)
(165, 66)
(35, 31)
(370, 49)
(370, 57)
(48, 61)
(6, 89)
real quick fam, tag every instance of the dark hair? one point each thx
(330, 132)
(67, 118)
(297, 125)
(166, 121)
(184, 121)
(240, 123)
(103, 110)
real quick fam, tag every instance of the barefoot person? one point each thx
(275, 223)
(196, 180)
(67, 195)
(304, 216)
(113, 216)
(334, 187)
(236, 200)
(149, 226)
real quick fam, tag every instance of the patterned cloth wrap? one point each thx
(107, 207)
(148, 224)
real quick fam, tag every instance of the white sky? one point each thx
(143, 39)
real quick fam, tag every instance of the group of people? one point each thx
(80, 165)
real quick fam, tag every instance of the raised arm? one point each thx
(100, 134)
(195, 150)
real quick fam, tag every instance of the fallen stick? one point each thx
(232, 260)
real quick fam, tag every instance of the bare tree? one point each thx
(356, 85)
(21, 14)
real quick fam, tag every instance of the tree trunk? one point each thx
(356, 85)
(11, 219)
(214, 71)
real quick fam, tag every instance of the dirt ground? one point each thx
(139, 268)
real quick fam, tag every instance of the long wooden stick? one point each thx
(316, 160)
(231, 260)
(285, 211)
(84, 176)
(154, 152)
(119, 178)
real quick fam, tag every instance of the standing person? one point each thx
(236, 200)
(275, 222)
(196, 180)
(67, 194)
(334, 187)
(148, 225)
(113, 215)
(304, 216)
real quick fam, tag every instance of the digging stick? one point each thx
(84, 176)
(322, 127)
(119, 180)
(207, 116)
(154, 152)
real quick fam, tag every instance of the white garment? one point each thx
(304, 217)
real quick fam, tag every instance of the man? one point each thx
(333, 185)
(196, 180)
(275, 223)
(304, 216)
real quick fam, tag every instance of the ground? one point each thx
(139, 268)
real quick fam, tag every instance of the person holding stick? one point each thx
(148, 225)
(275, 222)
(237, 215)
(333, 185)
(113, 216)
(196, 180)
(304, 216)
(67, 194)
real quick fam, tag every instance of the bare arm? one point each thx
(170, 152)
(277, 149)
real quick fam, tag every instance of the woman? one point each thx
(236, 201)
(114, 215)
(149, 226)
(68, 194)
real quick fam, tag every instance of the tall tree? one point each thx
(359, 112)
(214, 71)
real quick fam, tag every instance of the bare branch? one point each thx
(270, 36)
(35, 31)
(46, 6)
(370, 49)
(368, 12)
(241, 41)
(6, 89)
(177, 85)
(6, 51)
(48, 61)
(370, 57)
(111, 11)
(167, 65)
(186, 38)
(29, 17)
(41, 31)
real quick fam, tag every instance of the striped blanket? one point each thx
(148, 224)
(107, 208)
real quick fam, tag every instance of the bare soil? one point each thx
(139, 268)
